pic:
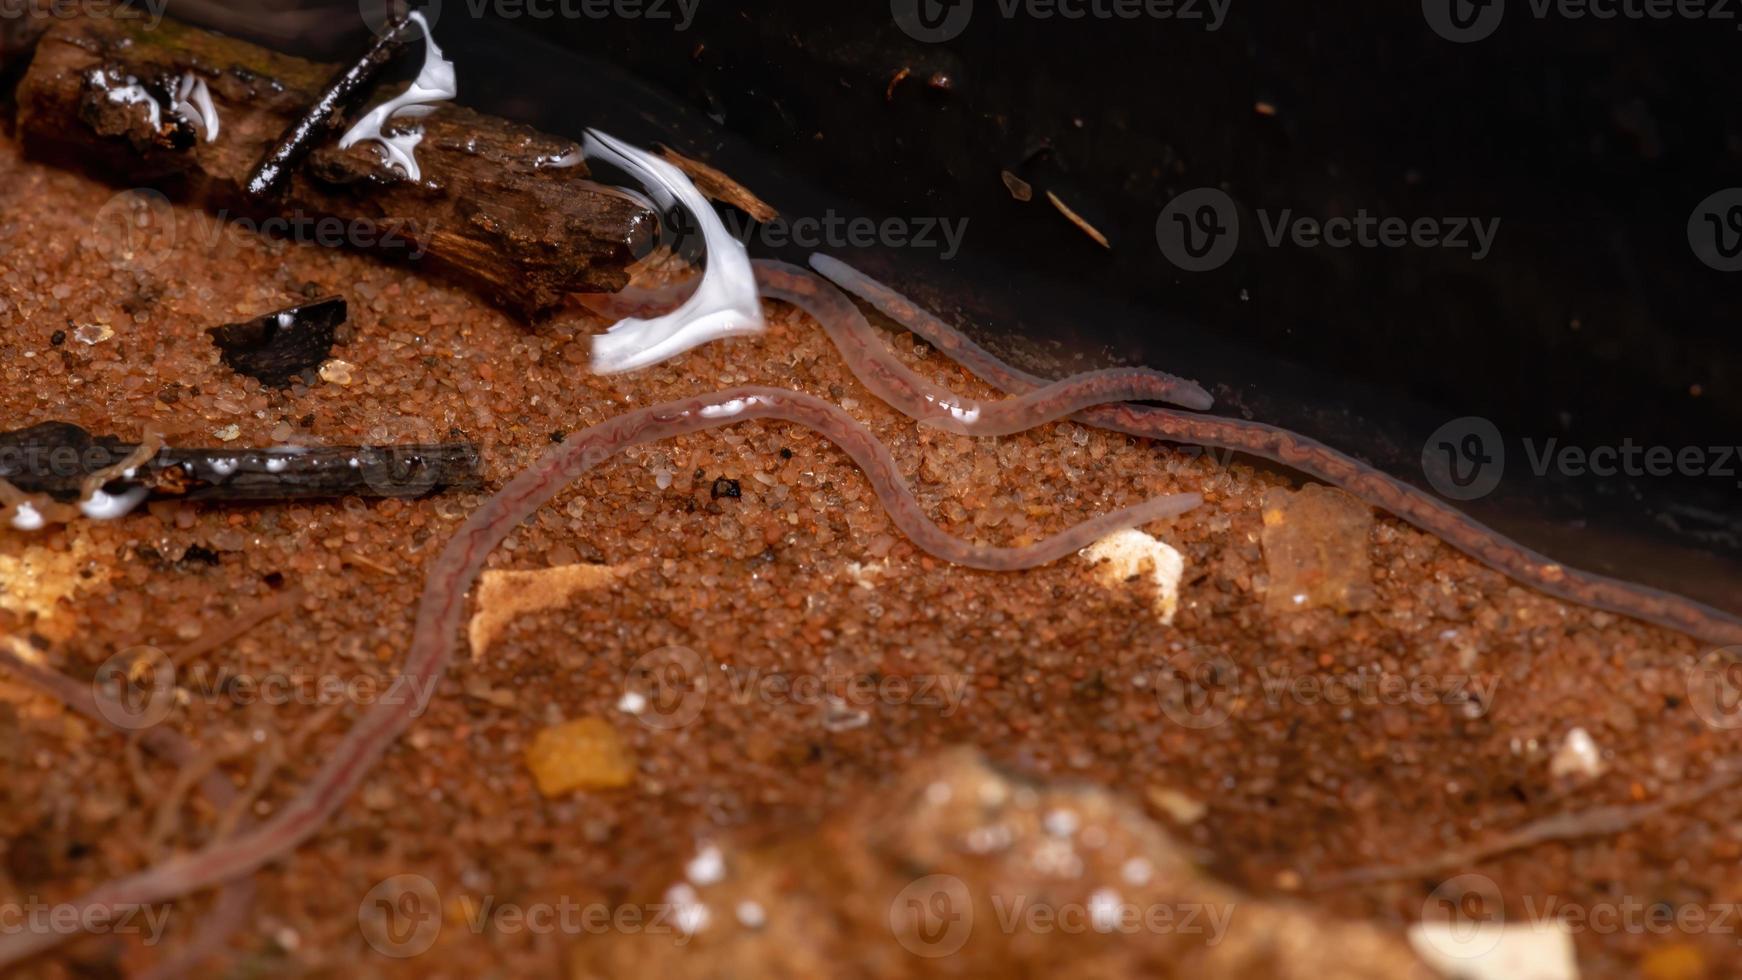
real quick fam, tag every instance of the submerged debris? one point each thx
(278, 347)
(1133, 556)
(576, 755)
(326, 112)
(1315, 549)
(504, 596)
(719, 187)
(1081, 222)
(59, 459)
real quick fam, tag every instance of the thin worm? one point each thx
(451, 576)
(1597, 821)
(878, 369)
(1320, 461)
(235, 898)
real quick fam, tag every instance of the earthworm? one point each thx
(451, 576)
(1320, 461)
(234, 899)
(878, 369)
(1597, 821)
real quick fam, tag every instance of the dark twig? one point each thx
(55, 458)
(327, 111)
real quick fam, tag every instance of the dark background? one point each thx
(1592, 140)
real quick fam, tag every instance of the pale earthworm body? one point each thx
(878, 369)
(452, 573)
(1320, 461)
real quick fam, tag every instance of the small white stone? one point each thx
(1060, 823)
(632, 702)
(92, 334)
(707, 867)
(27, 518)
(1104, 909)
(688, 912)
(1577, 756)
(337, 372)
(1137, 871)
(1126, 554)
(751, 915)
(1492, 950)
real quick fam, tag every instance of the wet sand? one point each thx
(1055, 672)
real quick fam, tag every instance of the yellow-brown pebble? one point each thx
(581, 754)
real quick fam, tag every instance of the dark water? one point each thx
(1593, 320)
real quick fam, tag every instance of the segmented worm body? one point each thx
(453, 572)
(878, 369)
(1317, 460)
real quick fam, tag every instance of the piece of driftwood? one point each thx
(491, 210)
(55, 458)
